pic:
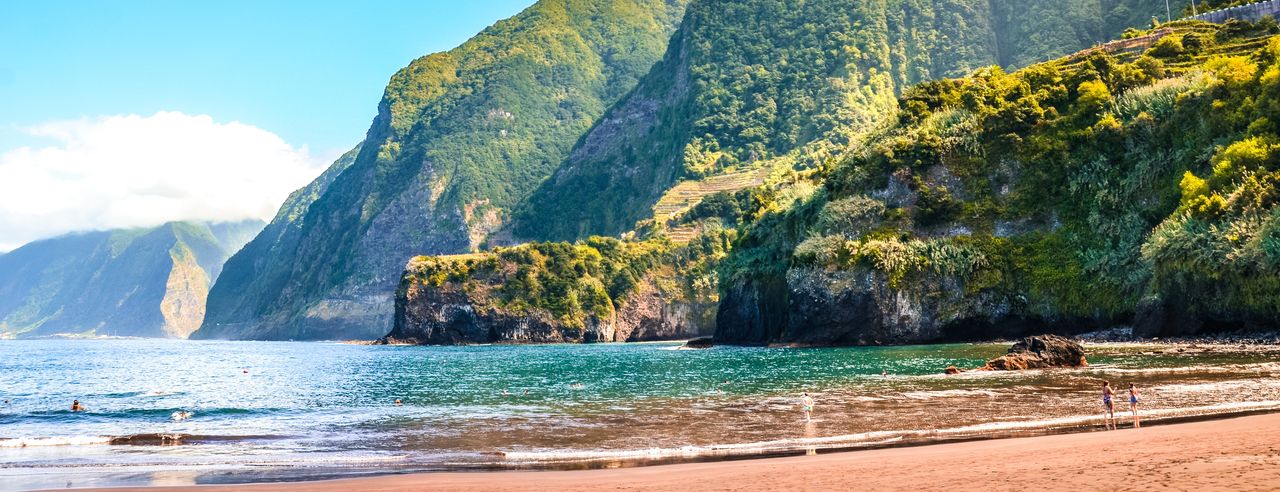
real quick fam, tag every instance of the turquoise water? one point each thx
(279, 411)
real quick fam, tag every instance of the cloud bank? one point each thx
(141, 171)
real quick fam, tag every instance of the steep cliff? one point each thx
(1131, 184)
(603, 290)
(142, 282)
(459, 138)
(756, 83)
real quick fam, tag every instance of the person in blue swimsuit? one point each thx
(1108, 408)
(1133, 405)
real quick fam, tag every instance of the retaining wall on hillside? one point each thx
(1250, 12)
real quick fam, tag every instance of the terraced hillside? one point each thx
(686, 194)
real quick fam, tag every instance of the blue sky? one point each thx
(309, 71)
(112, 112)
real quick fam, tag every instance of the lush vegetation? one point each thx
(573, 281)
(459, 138)
(1079, 187)
(790, 83)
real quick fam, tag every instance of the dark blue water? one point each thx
(208, 412)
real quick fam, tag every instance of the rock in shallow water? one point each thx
(1039, 352)
(699, 343)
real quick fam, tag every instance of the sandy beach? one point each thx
(1238, 454)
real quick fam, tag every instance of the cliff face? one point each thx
(747, 83)
(459, 138)
(1109, 188)
(469, 308)
(863, 307)
(143, 282)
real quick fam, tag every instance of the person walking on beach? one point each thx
(1108, 408)
(806, 403)
(1133, 405)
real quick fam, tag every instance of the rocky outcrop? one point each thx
(863, 307)
(700, 343)
(448, 315)
(1039, 352)
(458, 313)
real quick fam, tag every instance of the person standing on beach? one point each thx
(1108, 408)
(1133, 405)
(806, 403)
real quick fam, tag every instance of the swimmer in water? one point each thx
(76, 406)
(884, 372)
(526, 393)
(505, 393)
(806, 403)
(180, 416)
(398, 402)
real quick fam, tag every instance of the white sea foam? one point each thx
(25, 442)
(869, 439)
(951, 393)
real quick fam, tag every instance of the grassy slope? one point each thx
(459, 138)
(1099, 186)
(751, 83)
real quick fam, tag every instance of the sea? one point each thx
(167, 412)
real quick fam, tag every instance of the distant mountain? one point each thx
(459, 138)
(129, 282)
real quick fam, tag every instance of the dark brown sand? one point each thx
(1236, 454)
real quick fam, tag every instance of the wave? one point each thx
(877, 438)
(949, 393)
(143, 439)
(138, 413)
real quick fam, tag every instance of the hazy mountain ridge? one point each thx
(130, 282)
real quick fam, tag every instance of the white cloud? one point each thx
(141, 171)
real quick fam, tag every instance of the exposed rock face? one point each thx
(863, 307)
(447, 315)
(451, 314)
(1039, 352)
(648, 315)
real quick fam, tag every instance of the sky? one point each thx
(133, 113)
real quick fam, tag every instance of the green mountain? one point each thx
(1131, 185)
(721, 159)
(748, 84)
(460, 137)
(134, 282)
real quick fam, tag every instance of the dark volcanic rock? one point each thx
(699, 343)
(454, 314)
(815, 307)
(1039, 352)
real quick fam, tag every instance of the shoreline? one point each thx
(1211, 453)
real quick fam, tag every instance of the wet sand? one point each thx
(1238, 454)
